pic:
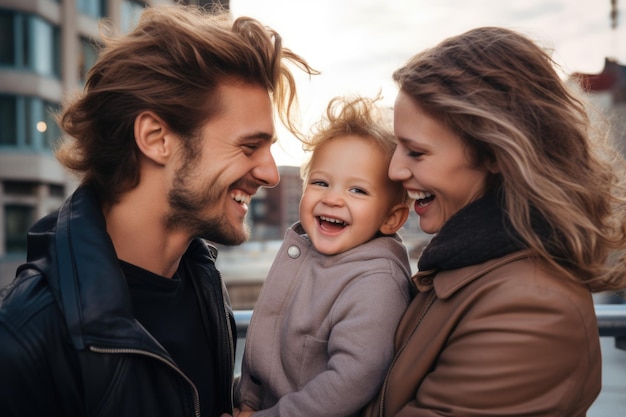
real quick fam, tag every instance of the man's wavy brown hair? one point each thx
(172, 64)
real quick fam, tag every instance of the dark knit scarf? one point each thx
(477, 233)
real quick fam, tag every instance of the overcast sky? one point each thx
(357, 44)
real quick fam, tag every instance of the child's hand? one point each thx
(246, 411)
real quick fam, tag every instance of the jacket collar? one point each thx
(76, 255)
(450, 281)
(478, 232)
(390, 246)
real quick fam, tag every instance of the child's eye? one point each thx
(358, 190)
(319, 183)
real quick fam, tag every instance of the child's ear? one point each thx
(395, 219)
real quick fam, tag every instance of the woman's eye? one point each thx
(415, 154)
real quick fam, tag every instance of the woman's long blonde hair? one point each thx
(500, 92)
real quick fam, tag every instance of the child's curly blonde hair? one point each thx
(359, 116)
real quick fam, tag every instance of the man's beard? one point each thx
(187, 206)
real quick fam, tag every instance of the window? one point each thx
(20, 188)
(17, 221)
(7, 46)
(28, 122)
(28, 42)
(92, 8)
(48, 125)
(8, 122)
(131, 10)
(57, 191)
(87, 57)
(43, 41)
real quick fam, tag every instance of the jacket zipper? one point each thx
(231, 342)
(430, 301)
(196, 399)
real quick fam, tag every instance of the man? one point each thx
(119, 310)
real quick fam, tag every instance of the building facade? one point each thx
(46, 49)
(273, 210)
(607, 92)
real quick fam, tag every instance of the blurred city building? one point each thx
(607, 91)
(273, 210)
(46, 49)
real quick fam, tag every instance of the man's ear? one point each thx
(395, 219)
(152, 137)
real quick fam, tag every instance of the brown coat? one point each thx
(503, 338)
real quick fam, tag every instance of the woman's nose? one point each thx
(398, 170)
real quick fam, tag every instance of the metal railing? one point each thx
(611, 322)
(242, 318)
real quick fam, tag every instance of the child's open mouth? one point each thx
(331, 224)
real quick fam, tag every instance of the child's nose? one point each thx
(333, 197)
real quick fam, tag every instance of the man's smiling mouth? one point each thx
(241, 198)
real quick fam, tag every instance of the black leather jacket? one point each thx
(69, 344)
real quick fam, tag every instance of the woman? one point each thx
(498, 155)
